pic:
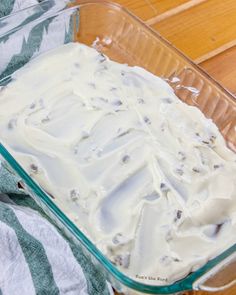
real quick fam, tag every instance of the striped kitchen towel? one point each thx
(35, 256)
(32, 31)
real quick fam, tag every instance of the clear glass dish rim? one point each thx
(181, 285)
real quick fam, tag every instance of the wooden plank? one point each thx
(146, 9)
(140, 8)
(173, 11)
(202, 28)
(223, 68)
(230, 291)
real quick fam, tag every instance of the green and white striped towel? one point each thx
(35, 257)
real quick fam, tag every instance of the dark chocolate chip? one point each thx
(164, 187)
(196, 170)
(117, 238)
(205, 142)
(122, 260)
(101, 57)
(175, 259)
(179, 171)
(147, 120)
(125, 159)
(85, 135)
(124, 133)
(167, 100)
(34, 168)
(74, 195)
(217, 166)
(212, 138)
(32, 106)
(162, 127)
(12, 124)
(118, 102)
(218, 228)
(141, 101)
(45, 120)
(182, 156)
(179, 214)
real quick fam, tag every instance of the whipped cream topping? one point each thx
(146, 177)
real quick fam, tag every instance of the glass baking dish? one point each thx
(124, 38)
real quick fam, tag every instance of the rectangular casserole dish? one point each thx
(125, 39)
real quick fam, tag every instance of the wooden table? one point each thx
(205, 30)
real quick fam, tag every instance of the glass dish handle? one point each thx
(220, 277)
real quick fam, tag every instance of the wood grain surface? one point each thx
(205, 30)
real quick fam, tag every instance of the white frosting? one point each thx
(148, 178)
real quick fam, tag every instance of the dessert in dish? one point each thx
(146, 177)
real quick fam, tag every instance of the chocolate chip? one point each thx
(118, 103)
(205, 142)
(141, 101)
(117, 239)
(196, 170)
(179, 214)
(164, 187)
(124, 133)
(101, 57)
(122, 73)
(34, 168)
(84, 135)
(162, 127)
(74, 195)
(217, 166)
(182, 156)
(147, 120)
(167, 100)
(122, 260)
(45, 120)
(12, 124)
(212, 138)
(125, 159)
(179, 171)
(32, 106)
(218, 228)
